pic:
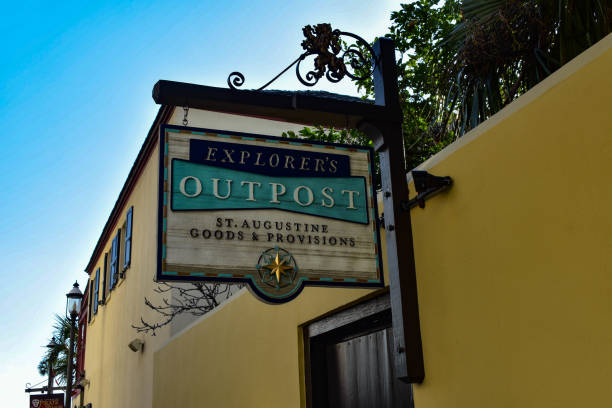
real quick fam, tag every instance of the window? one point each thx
(103, 301)
(120, 256)
(96, 290)
(90, 289)
(127, 252)
(114, 262)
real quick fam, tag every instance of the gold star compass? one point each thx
(277, 268)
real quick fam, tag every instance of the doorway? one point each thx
(348, 359)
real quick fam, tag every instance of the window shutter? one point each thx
(113, 264)
(104, 278)
(117, 268)
(127, 255)
(96, 291)
(90, 288)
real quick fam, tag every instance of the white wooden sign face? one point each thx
(275, 213)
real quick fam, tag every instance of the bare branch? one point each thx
(197, 299)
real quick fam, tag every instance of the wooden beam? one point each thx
(388, 140)
(307, 107)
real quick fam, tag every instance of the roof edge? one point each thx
(163, 115)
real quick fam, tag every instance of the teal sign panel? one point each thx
(198, 186)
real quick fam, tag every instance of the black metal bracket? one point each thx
(332, 56)
(381, 223)
(426, 185)
(45, 389)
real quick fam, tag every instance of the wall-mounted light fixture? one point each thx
(426, 186)
(136, 345)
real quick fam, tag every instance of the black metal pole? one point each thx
(70, 357)
(388, 141)
(43, 389)
(50, 381)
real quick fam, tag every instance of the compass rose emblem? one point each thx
(277, 267)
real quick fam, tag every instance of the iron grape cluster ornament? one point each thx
(332, 58)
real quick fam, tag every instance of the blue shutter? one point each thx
(127, 255)
(96, 291)
(104, 279)
(90, 288)
(118, 271)
(113, 264)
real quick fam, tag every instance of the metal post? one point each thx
(388, 141)
(70, 357)
(50, 381)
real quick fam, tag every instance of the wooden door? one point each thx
(349, 356)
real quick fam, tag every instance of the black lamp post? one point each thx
(73, 306)
(52, 344)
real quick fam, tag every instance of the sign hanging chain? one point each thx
(185, 120)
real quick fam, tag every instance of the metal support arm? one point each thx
(426, 185)
(388, 142)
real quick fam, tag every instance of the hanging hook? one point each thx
(185, 121)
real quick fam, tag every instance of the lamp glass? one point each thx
(73, 302)
(73, 305)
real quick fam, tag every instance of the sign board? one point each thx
(275, 213)
(47, 401)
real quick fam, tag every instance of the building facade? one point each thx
(122, 271)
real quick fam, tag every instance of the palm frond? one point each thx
(58, 355)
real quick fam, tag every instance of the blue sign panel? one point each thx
(272, 161)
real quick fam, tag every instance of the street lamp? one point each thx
(52, 344)
(73, 306)
(73, 303)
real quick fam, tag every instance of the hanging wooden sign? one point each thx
(47, 401)
(278, 214)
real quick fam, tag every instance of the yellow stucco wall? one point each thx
(119, 377)
(514, 269)
(244, 354)
(514, 263)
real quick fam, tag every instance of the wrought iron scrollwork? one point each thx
(332, 57)
(235, 79)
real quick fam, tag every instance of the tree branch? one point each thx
(196, 299)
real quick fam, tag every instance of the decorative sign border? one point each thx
(165, 202)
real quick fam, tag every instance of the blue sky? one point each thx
(75, 106)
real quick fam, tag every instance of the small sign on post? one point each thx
(278, 214)
(47, 401)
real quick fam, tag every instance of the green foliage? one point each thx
(461, 61)
(505, 47)
(59, 354)
(319, 133)
(418, 30)
(344, 136)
